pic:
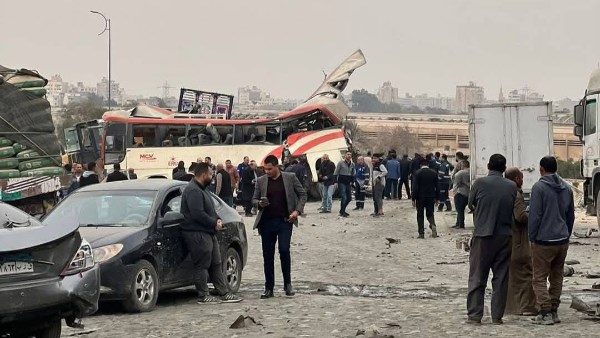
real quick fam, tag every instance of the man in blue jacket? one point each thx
(551, 218)
(391, 185)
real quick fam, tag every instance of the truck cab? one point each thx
(84, 141)
(586, 128)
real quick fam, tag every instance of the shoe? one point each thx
(323, 211)
(543, 319)
(209, 300)
(249, 214)
(230, 298)
(455, 227)
(343, 215)
(555, 317)
(497, 321)
(267, 294)
(320, 208)
(346, 214)
(421, 236)
(434, 232)
(289, 291)
(473, 321)
(375, 215)
(357, 208)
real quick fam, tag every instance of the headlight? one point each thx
(104, 253)
(83, 260)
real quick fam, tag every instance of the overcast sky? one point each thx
(282, 45)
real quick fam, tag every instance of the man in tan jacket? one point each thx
(521, 299)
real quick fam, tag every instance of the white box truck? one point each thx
(522, 132)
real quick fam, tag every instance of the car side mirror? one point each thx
(170, 218)
(578, 115)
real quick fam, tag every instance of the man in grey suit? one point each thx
(493, 199)
(280, 199)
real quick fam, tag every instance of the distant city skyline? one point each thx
(422, 46)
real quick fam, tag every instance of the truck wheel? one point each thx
(52, 331)
(143, 288)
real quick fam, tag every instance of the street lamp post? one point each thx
(107, 28)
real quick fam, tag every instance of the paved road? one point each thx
(348, 278)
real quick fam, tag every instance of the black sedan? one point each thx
(134, 229)
(46, 274)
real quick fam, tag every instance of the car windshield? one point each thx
(104, 208)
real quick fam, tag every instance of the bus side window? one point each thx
(145, 135)
(173, 136)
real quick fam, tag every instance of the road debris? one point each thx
(572, 262)
(244, 322)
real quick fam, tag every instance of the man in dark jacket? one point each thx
(116, 175)
(326, 177)
(344, 175)
(425, 191)
(179, 170)
(223, 188)
(89, 177)
(299, 169)
(248, 184)
(405, 171)
(551, 218)
(493, 199)
(444, 176)
(199, 229)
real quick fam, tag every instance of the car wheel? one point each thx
(52, 331)
(144, 288)
(232, 270)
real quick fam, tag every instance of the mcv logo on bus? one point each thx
(147, 157)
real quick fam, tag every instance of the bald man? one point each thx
(521, 299)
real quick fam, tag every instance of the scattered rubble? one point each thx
(572, 262)
(244, 322)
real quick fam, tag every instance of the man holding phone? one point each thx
(280, 199)
(199, 229)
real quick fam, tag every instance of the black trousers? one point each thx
(271, 231)
(359, 195)
(404, 182)
(460, 201)
(248, 207)
(206, 256)
(425, 207)
(487, 253)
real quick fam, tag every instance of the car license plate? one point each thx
(14, 268)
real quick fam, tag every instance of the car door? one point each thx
(171, 241)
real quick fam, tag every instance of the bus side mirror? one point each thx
(578, 115)
(578, 131)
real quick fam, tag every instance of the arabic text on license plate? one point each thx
(13, 268)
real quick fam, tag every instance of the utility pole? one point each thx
(165, 88)
(107, 28)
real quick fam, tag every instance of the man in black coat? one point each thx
(199, 228)
(425, 191)
(116, 175)
(89, 177)
(249, 176)
(405, 170)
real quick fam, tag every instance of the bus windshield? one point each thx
(115, 143)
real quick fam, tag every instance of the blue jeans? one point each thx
(271, 232)
(346, 195)
(391, 188)
(327, 197)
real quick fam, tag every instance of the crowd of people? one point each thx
(524, 247)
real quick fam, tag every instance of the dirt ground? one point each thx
(349, 278)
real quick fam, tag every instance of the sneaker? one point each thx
(230, 298)
(209, 300)
(543, 319)
(555, 317)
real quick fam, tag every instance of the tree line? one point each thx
(363, 101)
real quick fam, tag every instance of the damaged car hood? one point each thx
(19, 230)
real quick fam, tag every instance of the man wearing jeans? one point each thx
(344, 174)
(199, 229)
(551, 218)
(327, 179)
(462, 187)
(280, 198)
